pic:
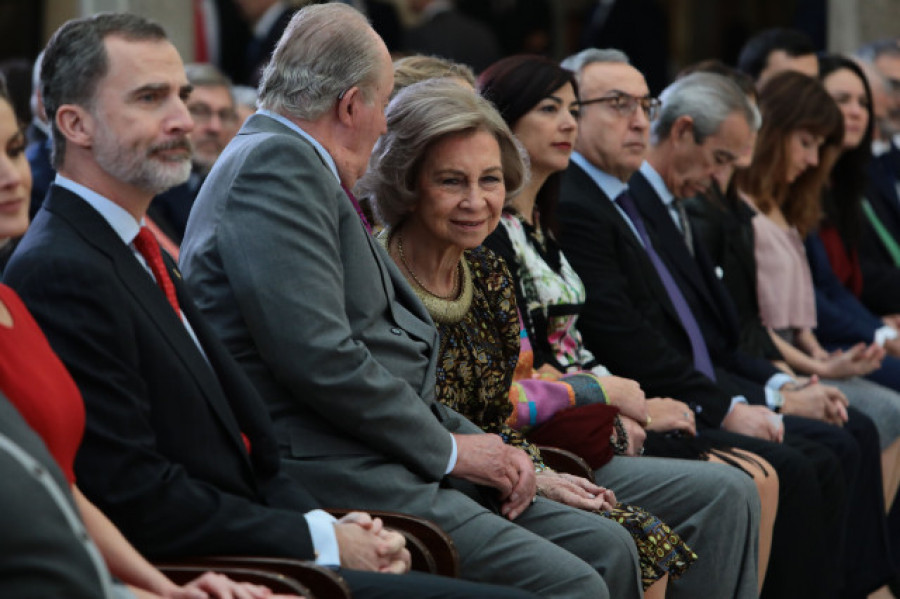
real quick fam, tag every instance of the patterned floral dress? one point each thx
(479, 349)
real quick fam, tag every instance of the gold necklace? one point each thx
(453, 292)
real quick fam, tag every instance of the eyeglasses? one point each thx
(625, 104)
(202, 114)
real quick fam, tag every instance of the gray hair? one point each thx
(203, 74)
(325, 50)
(36, 86)
(708, 99)
(874, 50)
(417, 118)
(75, 61)
(577, 62)
(244, 96)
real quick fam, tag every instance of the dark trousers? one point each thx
(865, 558)
(808, 474)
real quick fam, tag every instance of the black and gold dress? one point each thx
(479, 348)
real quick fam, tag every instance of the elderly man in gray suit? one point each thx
(277, 255)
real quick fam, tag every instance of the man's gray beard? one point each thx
(147, 172)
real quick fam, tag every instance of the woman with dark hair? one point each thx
(847, 212)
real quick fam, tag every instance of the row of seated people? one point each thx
(372, 407)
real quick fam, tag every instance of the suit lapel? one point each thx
(589, 194)
(95, 232)
(671, 247)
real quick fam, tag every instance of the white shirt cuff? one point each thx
(773, 387)
(736, 400)
(453, 455)
(324, 538)
(883, 334)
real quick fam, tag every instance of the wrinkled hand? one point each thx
(575, 491)
(523, 493)
(858, 360)
(218, 586)
(668, 414)
(626, 395)
(892, 320)
(365, 544)
(816, 401)
(754, 421)
(636, 435)
(486, 460)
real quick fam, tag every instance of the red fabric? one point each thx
(164, 241)
(147, 245)
(583, 430)
(37, 383)
(844, 264)
(201, 48)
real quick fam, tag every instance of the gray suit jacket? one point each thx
(45, 551)
(322, 321)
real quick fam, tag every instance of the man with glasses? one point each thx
(213, 111)
(637, 321)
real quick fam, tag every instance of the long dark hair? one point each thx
(849, 178)
(515, 85)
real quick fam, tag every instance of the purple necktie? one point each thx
(702, 360)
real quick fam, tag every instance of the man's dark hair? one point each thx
(75, 61)
(755, 54)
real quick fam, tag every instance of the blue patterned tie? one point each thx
(702, 361)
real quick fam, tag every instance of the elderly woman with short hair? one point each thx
(440, 178)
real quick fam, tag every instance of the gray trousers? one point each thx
(714, 507)
(551, 550)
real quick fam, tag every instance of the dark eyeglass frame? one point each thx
(626, 104)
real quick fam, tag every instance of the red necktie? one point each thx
(146, 244)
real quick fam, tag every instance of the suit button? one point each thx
(396, 331)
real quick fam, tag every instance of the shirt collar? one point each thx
(320, 149)
(610, 185)
(118, 218)
(880, 147)
(657, 183)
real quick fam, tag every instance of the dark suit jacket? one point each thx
(881, 278)
(724, 228)
(628, 322)
(841, 318)
(704, 292)
(162, 454)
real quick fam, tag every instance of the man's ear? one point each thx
(76, 124)
(682, 127)
(348, 105)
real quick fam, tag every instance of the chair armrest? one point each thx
(432, 550)
(322, 583)
(563, 460)
(277, 583)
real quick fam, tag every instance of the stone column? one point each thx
(852, 23)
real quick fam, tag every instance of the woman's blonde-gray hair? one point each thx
(417, 118)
